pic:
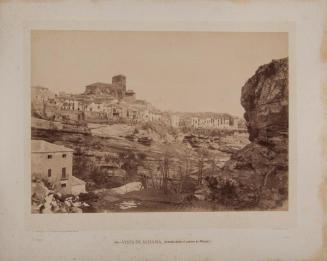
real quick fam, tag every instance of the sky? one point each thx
(176, 71)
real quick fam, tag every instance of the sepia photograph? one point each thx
(159, 121)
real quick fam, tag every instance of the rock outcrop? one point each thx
(48, 201)
(265, 100)
(257, 175)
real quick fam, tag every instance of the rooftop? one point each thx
(38, 146)
(77, 181)
(119, 76)
(100, 84)
(130, 92)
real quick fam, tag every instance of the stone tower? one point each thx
(119, 81)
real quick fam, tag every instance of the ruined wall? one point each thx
(42, 124)
(96, 117)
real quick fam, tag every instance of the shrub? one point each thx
(88, 197)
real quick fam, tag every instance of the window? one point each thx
(49, 173)
(64, 155)
(63, 185)
(63, 173)
(49, 156)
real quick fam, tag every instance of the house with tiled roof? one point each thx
(53, 164)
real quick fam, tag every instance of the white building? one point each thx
(210, 123)
(174, 121)
(54, 164)
(96, 107)
(147, 115)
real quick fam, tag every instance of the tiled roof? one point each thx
(100, 84)
(44, 146)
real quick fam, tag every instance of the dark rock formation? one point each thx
(257, 175)
(265, 100)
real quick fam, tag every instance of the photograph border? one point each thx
(162, 220)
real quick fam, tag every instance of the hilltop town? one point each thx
(106, 140)
(106, 103)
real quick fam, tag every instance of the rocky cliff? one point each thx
(257, 175)
(265, 100)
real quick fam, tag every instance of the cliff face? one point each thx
(258, 173)
(265, 100)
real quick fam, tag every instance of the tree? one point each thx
(203, 154)
(184, 172)
(164, 168)
(128, 162)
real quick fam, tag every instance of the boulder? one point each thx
(202, 193)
